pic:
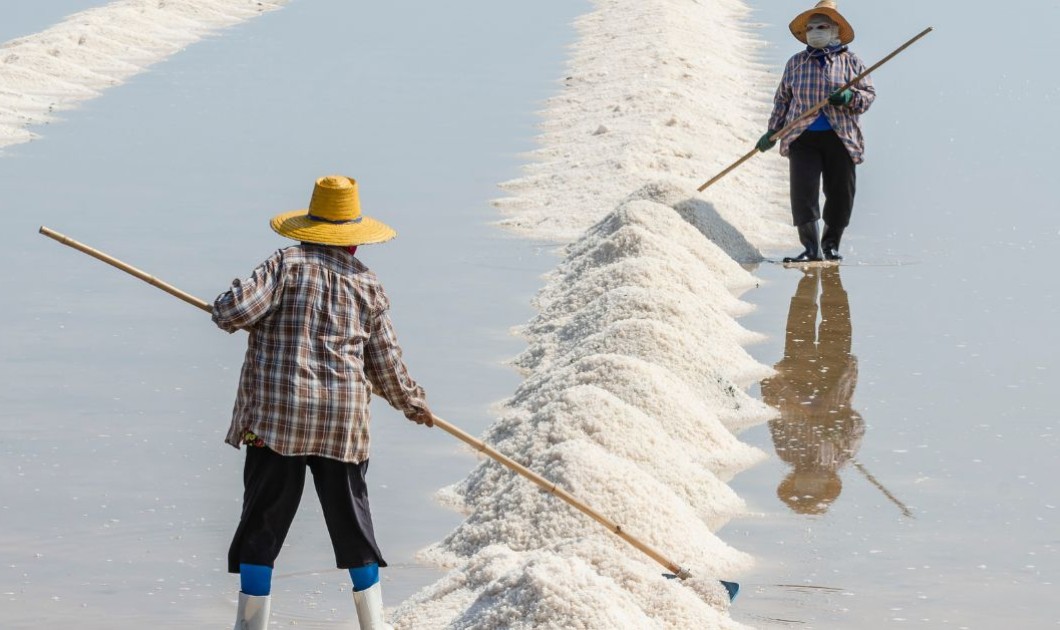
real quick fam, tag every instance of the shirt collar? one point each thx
(826, 52)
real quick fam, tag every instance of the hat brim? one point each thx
(297, 225)
(798, 25)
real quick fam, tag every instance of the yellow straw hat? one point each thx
(333, 217)
(824, 7)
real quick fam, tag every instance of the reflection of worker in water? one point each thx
(817, 432)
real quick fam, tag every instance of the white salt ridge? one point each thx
(679, 95)
(501, 588)
(627, 411)
(93, 50)
(563, 419)
(635, 367)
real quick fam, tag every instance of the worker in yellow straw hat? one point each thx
(822, 150)
(320, 343)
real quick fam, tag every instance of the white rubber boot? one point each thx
(253, 612)
(370, 608)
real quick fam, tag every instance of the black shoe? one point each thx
(810, 239)
(831, 254)
(804, 257)
(830, 242)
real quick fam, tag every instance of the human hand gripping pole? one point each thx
(677, 571)
(773, 137)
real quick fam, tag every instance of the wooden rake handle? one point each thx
(816, 108)
(114, 262)
(477, 444)
(555, 490)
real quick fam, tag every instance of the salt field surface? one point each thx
(868, 445)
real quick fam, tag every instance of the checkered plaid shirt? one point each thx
(320, 343)
(806, 82)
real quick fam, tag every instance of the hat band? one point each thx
(313, 217)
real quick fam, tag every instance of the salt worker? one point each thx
(321, 341)
(826, 147)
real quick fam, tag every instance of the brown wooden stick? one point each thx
(114, 262)
(479, 445)
(816, 108)
(553, 489)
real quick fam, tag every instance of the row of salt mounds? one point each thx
(658, 90)
(632, 391)
(90, 51)
(635, 366)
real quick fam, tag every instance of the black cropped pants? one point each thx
(272, 490)
(818, 157)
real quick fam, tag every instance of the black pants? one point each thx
(272, 490)
(817, 155)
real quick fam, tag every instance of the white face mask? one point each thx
(818, 37)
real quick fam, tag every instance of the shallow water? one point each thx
(911, 477)
(952, 308)
(119, 497)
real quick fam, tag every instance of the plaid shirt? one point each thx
(806, 82)
(320, 342)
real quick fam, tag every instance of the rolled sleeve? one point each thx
(864, 95)
(386, 369)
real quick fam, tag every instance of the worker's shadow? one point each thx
(818, 432)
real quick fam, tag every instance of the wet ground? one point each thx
(931, 496)
(119, 496)
(913, 459)
(930, 447)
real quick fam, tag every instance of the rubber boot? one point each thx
(810, 238)
(370, 608)
(253, 612)
(830, 242)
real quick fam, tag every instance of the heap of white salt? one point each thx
(634, 384)
(95, 49)
(635, 367)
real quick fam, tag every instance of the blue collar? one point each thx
(826, 52)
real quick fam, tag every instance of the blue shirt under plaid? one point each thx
(807, 81)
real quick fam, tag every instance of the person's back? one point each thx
(319, 333)
(320, 343)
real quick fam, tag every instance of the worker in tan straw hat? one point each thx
(321, 342)
(823, 151)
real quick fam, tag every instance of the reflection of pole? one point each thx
(901, 506)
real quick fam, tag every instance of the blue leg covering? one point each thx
(255, 579)
(364, 577)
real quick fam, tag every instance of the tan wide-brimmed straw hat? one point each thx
(824, 7)
(333, 217)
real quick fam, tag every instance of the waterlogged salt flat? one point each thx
(637, 367)
(98, 48)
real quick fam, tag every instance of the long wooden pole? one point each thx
(553, 489)
(479, 445)
(114, 262)
(813, 110)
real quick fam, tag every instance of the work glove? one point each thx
(764, 143)
(841, 98)
(422, 416)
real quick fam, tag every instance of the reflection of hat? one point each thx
(333, 217)
(824, 7)
(810, 491)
